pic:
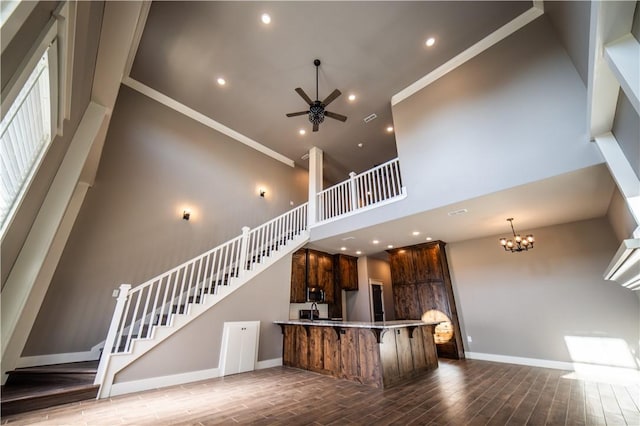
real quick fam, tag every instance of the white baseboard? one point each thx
(163, 381)
(36, 360)
(533, 362)
(268, 363)
(179, 379)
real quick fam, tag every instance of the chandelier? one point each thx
(517, 244)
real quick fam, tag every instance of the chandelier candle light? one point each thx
(518, 243)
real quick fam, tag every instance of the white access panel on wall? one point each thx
(239, 352)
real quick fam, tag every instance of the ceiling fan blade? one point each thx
(315, 127)
(295, 114)
(331, 97)
(304, 96)
(335, 116)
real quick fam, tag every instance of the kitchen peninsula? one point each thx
(378, 354)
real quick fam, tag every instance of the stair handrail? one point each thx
(134, 316)
(373, 187)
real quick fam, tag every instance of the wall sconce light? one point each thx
(186, 214)
(262, 192)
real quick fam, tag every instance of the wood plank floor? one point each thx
(467, 392)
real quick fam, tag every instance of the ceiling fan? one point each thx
(316, 109)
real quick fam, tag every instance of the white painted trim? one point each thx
(14, 85)
(15, 14)
(32, 361)
(533, 362)
(203, 119)
(163, 381)
(269, 363)
(484, 44)
(608, 22)
(137, 36)
(180, 379)
(619, 166)
(623, 57)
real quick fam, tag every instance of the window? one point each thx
(25, 135)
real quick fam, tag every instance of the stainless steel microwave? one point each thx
(315, 294)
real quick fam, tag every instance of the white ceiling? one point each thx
(372, 49)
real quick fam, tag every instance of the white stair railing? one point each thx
(155, 302)
(373, 187)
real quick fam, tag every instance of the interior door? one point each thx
(377, 304)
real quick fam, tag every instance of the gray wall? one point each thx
(197, 346)
(525, 304)
(514, 114)
(571, 20)
(155, 163)
(89, 20)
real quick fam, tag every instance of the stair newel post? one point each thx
(123, 294)
(244, 249)
(353, 185)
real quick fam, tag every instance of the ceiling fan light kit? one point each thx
(316, 111)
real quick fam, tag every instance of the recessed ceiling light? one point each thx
(415, 233)
(266, 19)
(222, 81)
(302, 131)
(352, 97)
(375, 242)
(358, 252)
(360, 145)
(390, 129)
(430, 41)
(429, 238)
(343, 248)
(390, 246)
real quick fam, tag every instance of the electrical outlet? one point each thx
(469, 339)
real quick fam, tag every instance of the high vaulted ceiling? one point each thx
(370, 49)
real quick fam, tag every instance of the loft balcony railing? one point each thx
(373, 188)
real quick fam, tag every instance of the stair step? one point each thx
(32, 388)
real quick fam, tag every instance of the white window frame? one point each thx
(57, 38)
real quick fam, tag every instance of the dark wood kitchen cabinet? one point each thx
(345, 270)
(311, 268)
(320, 273)
(421, 283)
(299, 277)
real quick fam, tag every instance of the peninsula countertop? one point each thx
(380, 325)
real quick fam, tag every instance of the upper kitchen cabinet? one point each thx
(320, 273)
(298, 277)
(345, 270)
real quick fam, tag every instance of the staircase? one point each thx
(149, 313)
(46, 386)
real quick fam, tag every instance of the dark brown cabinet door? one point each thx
(402, 268)
(320, 273)
(325, 276)
(405, 300)
(298, 277)
(426, 261)
(346, 272)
